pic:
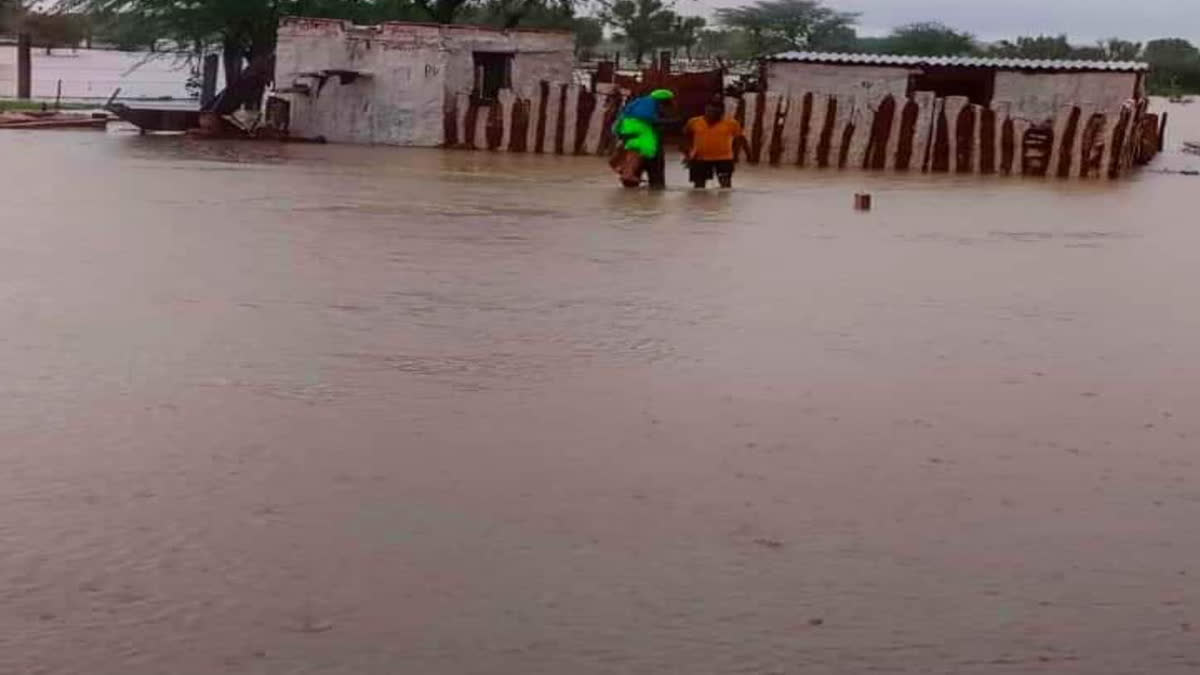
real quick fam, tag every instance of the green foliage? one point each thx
(589, 33)
(930, 39)
(1116, 49)
(1175, 66)
(641, 25)
(781, 25)
(51, 31)
(1040, 47)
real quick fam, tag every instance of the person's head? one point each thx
(664, 97)
(714, 112)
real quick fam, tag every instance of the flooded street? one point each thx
(329, 409)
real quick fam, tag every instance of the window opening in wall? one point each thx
(493, 72)
(977, 84)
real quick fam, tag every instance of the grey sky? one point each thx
(1083, 20)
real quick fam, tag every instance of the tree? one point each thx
(729, 45)
(780, 25)
(685, 33)
(642, 25)
(930, 39)
(1174, 66)
(1116, 49)
(1040, 47)
(50, 31)
(589, 33)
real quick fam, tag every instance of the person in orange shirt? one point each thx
(711, 145)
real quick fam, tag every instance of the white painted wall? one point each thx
(1038, 96)
(412, 68)
(793, 79)
(1032, 96)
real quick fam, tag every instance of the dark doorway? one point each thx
(493, 72)
(977, 84)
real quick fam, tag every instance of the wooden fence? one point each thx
(919, 133)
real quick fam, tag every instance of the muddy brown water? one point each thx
(358, 410)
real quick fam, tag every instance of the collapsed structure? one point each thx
(391, 83)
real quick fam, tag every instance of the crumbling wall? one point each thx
(397, 99)
(390, 83)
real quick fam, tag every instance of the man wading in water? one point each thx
(711, 145)
(639, 127)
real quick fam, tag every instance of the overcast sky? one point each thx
(1083, 20)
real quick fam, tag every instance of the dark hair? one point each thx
(719, 105)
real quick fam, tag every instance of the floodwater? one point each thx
(317, 409)
(97, 73)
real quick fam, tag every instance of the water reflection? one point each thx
(312, 409)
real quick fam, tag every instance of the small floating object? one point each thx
(862, 202)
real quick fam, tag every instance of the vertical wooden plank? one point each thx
(825, 138)
(893, 141)
(462, 106)
(790, 136)
(987, 141)
(1066, 144)
(469, 126)
(570, 119)
(585, 106)
(507, 100)
(952, 108)
(938, 160)
(613, 104)
(550, 128)
(591, 136)
(806, 117)
(754, 115)
(450, 121)
(1020, 128)
(875, 157)
(532, 105)
(1061, 117)
(1091, 149)
(1110, 124)
(519, 138)
(929, 107)
(774, 118)
(907, 139)
(479, 140)
(1120, 138)
(862, 121)
(1008, 146)
(964, 140)
(840, 140)
(543, 102)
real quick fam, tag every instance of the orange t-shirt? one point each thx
(713, 142)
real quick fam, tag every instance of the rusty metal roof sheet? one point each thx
(961, 62)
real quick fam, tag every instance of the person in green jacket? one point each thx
(639, 129)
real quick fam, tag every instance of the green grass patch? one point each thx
(17, 105)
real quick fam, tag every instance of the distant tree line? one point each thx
(244, 29)
(767, 27)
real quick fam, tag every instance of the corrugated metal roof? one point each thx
(959, 62)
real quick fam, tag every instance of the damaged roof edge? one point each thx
(346, 24)
(1050, 65)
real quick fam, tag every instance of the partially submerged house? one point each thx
(395, 83)
(960, 114)
(1036, 89)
